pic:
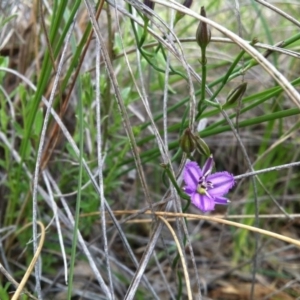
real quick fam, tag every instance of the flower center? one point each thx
(204, 185)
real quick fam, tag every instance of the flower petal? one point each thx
(191, 175)
(203, 202)
(222, 183)
(189, 190)
(207, 168)
(221, 200)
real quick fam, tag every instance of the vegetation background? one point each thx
(94, 98)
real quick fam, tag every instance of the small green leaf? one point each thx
(38, 122)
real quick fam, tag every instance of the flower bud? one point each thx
(203, 34)
(187, 142)
(187, 3)
(179, 14)
(201, 146)
(236, 94)
(149, 3)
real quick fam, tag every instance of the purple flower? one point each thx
(204, 188)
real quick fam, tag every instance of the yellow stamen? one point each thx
(201, 190)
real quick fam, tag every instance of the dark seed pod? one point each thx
(203, 34)
(236, 93)
(187, 142)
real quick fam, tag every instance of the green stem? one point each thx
(146, 55)
(145, 33)
(179, 276)
(151, 154)
(203, 80)
(226, 77)
(174, 182)
(78, 199)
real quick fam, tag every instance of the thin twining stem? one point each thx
(277, 168)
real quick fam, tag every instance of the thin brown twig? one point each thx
(184, 266)
(33, 261)
(50, 145)
(14, 282)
